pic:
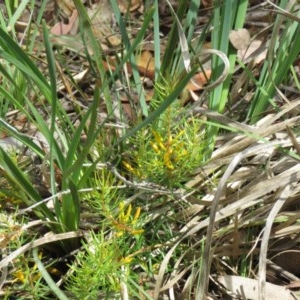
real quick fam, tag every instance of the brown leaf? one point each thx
(198, 81)
(128, 5)
(254, 46)
(70, 28)
(65, 6)
(145, 63)
(101, 15)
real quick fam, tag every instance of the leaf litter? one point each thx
(251, 183)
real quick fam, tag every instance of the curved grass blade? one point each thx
(11, 52)
(17, 177)
(275, 70)
(55, 289)
(168, 101)
(24, 139)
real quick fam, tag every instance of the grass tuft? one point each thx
(156, 160)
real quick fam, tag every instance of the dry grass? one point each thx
(236, 215)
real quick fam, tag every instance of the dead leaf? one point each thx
(127, 105)
(128, 5)
(145, 63)
(65, 6)
(254, 45)
(240, 39)
(101, 16)
(199, 80)
(70, 28)
(248, 288)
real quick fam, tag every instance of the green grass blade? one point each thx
(167, 61)
(191, 18)
(55, 289)
(286, 50)
(156, 37)
(24, 139)
(45, 131)
(15, 55)
(92, 113)
(96, 60)
(71, 209)
(52, 74)
(17, 176)
(130, 48)
(17, 14)
(228, 15)
(14, 172)
(168, 101)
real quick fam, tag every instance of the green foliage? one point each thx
(62, 151)
(99, 267)
(103, 262)
(95, 168)
(227, 16)
(168, 150)
(283, 51)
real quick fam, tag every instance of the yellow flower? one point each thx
(168, 159)
(126, 260)
(128, 166)
(131, 169)
(159, 140)
(125, 222)
(155, 147)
